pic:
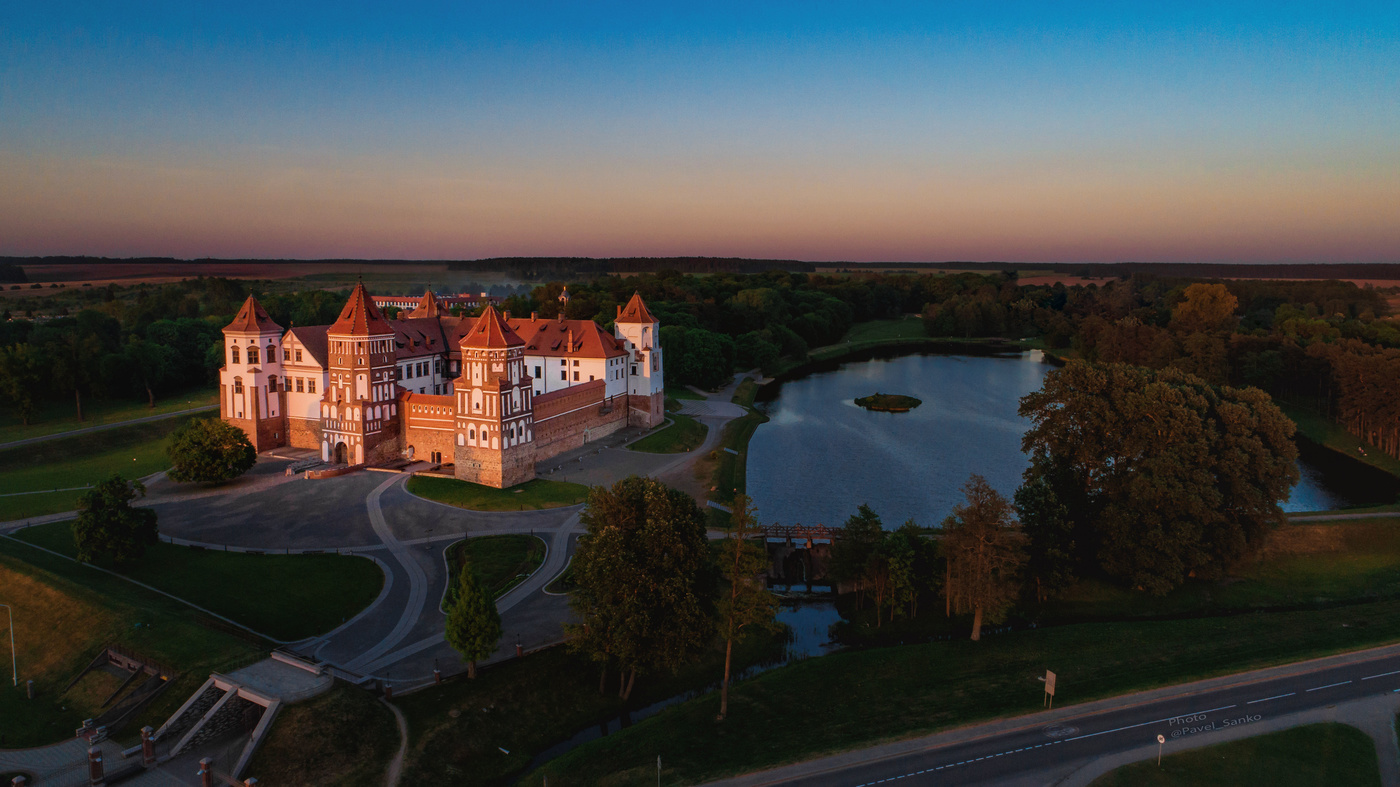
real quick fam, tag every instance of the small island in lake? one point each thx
(889, 403)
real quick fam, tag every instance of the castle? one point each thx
(490, 395)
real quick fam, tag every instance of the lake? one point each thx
(820, 455)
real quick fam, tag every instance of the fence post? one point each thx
(148, 747)
(206, 772)
(95, 767)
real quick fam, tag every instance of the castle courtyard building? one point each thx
(488, 395)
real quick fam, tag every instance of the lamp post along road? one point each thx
(14, 663)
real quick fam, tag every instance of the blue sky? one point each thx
(821, 131)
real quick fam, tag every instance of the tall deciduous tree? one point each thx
(746, 602)
(209, 451)
(1154, 476)
(473, 623)
(851, 554)
(1205, 307)
(107, 524)
(645, 579)
(985, 549)
(22, 378)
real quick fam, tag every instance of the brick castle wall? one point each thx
(304, 433)
(429, 424)
(573, 417)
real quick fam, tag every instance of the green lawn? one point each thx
(54, 416)
(288, 597)
(343, 737)
(680, 392)
(134, 451)
(1303, 756)
(501, 562)
(684, 434)
(1323, 430)
(528, 705)
(64, 613)
(907, 327)
(731, 470)
(745, 392)
(529, 496)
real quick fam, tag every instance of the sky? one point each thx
(1051, 132)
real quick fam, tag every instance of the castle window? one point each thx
(298, 356)
(271, 354)
(238, 385)
(311, 385)
(575, 376)
(272, 383)
(234, 354)
(575, 363)
(563, 375)
(301, 384)
(537, 371)
(590, 378)
(252, 355)
(563, 362)
(634, 368)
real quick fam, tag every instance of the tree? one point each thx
(985, 550)
(747, 602)
(150, 365)
(209, 451)
(645, 580)
(852, 552)
(22, 378)
(473, 624)
(1205, 307)
(1153, 476)
(107, 524)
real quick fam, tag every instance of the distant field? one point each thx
(58, 415)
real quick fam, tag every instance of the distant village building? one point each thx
(489, 395)
(447, 303)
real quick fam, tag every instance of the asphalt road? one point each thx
(1012, 755)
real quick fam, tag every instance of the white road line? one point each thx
(1275, 697)
(1382, 675)
(1329, 686)
(1145, 723)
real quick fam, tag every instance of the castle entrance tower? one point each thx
(646, 383)
(359, 411)
(251, 381)
(495, 415)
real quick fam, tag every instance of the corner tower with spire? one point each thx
(495, 411)
(640, 333)
(359, 411)
(250, 382)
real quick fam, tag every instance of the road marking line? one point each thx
(1329, 686)
(1145, 723)
(1275, 697)
(1382, 675)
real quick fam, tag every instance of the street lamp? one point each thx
(14, 665)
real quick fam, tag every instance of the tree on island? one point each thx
(108, 525)
(747, 602)
(1151, 476)
(985, 549)
(473, 623)
(645, 580)
(209, 451)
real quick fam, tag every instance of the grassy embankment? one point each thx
(501, 562)
(63, 613)
(134, 451)
(727, 470)
(1326, 432)
(684, 434)
(525, 706)
(529, 496)
(907, 331)
(1303, 756)
(55, 416)
(287, 597)
(1330, 588)
(343, 737)
(683, 393)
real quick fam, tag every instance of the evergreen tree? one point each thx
(107, 524)
(747, 602)
(473, 624)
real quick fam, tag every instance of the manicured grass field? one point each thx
(133, 451)
(896, 692)
(528, 705)
(1301, 757)
(684, 434)
(63, 613)
(907, 327)
(529, 496)
(288, 597)
(680, 392)
(55, 416)
(501, 562)
(343, 737)
(731, 471)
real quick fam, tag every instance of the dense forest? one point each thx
(1326, 345)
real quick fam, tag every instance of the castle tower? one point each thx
(428, 306)
(359, 411)
(250, 383)
(646, 383)
(495, 415)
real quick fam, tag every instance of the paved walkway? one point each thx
(103, 427)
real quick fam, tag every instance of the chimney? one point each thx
(534, 316)
(619, 310)
(507, 314)
(571, 340)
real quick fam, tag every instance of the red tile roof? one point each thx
(313, 338)
(490, 331)
(552, 338)
(360, 317)
(635, 311)
(427, 306)
(252, 318)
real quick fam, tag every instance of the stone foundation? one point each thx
(304, 433)
(499, 469)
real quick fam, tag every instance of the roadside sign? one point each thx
(1050, 683)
